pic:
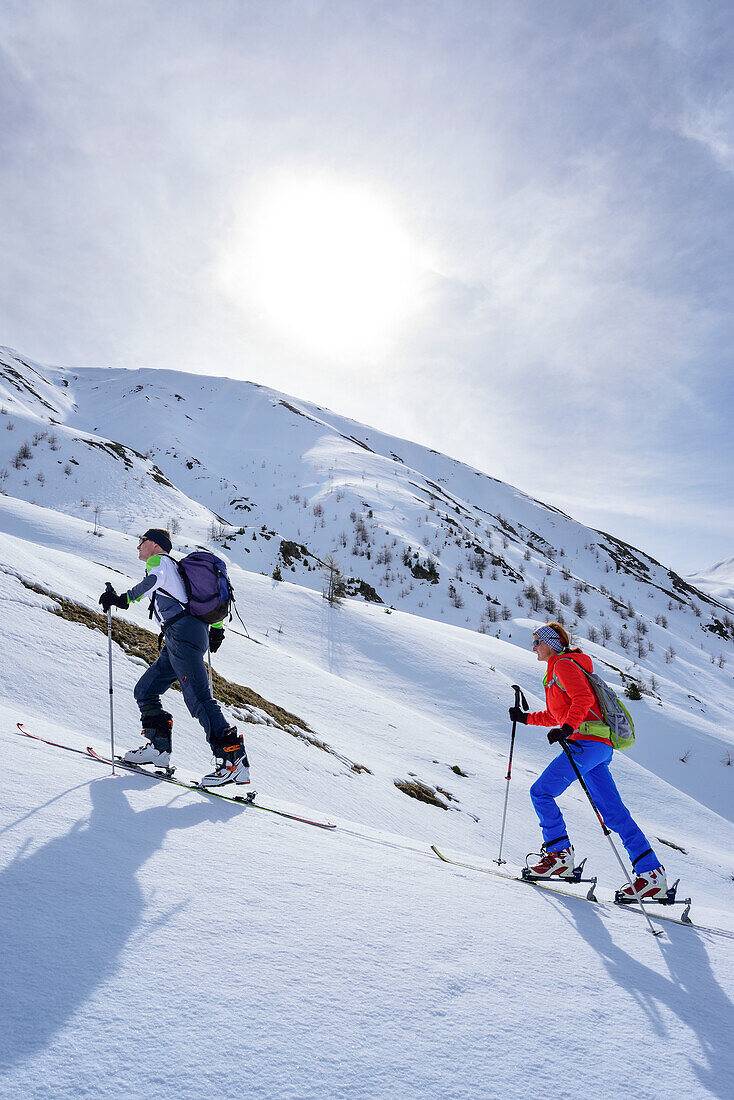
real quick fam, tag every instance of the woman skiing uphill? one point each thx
(571, 704)
(182, 659)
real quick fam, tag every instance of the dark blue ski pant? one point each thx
(592, 760)
(182, 659)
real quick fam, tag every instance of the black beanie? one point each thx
(160, 537)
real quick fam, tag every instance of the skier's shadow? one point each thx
(690, 992)
(70, 907)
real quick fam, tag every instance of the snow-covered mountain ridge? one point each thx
(423, 530)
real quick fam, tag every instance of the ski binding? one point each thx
(160, 773)
(621, 898)
(574, 876)
(249, 797)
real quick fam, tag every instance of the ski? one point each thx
(56, 745)
(684, 921)
(168, 777)
(543, 884)
(246, 799)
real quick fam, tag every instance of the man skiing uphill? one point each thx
(571, 704)
(182, 659)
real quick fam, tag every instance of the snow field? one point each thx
(154, 937)
(166, 945)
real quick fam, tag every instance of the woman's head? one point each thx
(550, 640)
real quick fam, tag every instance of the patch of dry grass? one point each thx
(415, 789)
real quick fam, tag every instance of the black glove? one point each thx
(216, 637)
(518, 715)
(560, 733)
(109, 598)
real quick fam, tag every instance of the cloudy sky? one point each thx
(502, 229)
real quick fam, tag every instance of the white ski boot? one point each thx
(157, 730)
(650, 886)
(148, 754)
(232, 765)
(551, 864)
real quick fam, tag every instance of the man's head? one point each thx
(156, 540)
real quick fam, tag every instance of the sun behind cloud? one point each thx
(323, 262)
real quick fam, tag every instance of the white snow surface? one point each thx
(717, 580)
(158, 943)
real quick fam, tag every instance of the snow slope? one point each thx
(157, 943)
(147, 930)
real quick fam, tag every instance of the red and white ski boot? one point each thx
(558, 864)
(650, 886)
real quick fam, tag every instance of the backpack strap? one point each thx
(165, 592)
(184, 580)
(172, 620)
(555, 680)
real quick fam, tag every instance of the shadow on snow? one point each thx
(689, 992)
(70, 907)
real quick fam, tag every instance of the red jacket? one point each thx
(568, 696)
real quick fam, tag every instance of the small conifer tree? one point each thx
(334, 583)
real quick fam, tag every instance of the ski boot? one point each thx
(232, 763)
(650, 886)
(552, 865)
(157, 730)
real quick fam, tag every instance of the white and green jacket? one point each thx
(162, 583)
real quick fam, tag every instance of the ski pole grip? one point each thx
(520, 699)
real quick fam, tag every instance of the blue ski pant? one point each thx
(182, 659)
(592, 760)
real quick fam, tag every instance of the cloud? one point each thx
(566, 170)
(712, 126)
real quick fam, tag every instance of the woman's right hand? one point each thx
(518, 715)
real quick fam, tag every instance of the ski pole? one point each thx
(247, 632)
(109, 662)
(608, 834)
(209, 667)
(518, 697)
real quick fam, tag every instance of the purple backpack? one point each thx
(207, 585)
